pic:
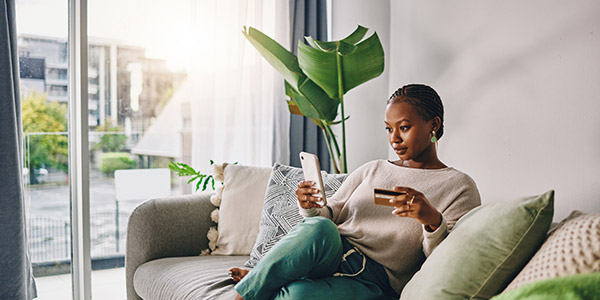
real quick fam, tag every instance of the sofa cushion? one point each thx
(280, 211)
(573, 287)
(573, 248)
(193, 277)
(240, 208)
(484, 251)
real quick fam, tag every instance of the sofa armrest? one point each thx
(166, 227)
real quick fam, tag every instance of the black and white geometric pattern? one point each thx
(280, 211)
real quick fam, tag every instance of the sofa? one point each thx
(180, 247)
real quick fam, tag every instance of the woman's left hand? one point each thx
(414, 204)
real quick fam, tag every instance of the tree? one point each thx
(44, 126)
(111, 140)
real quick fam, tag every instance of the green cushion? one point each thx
(574, 287)
(485, 250)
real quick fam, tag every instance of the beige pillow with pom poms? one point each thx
(240, 201)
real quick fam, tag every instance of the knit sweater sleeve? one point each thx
(467, 199)
(335, 203)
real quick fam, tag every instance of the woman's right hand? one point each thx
(305, 193)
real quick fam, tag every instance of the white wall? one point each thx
(365, 131)
(520, 81)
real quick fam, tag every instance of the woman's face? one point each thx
(408, 133)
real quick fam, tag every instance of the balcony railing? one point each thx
(50, 241)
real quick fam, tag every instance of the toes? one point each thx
(237, 274)
(234, 273)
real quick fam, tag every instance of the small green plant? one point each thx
(185, 170)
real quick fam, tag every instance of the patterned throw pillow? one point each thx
(280, 211)
(574, 248)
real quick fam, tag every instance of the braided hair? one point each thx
(426, 101)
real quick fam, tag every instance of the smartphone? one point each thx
(383, 196)
(312, 172)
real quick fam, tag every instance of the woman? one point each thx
(354, 249)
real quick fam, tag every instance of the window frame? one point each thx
(81, 264)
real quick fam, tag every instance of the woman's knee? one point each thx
(320, 226)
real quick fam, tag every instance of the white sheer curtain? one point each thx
(238, 108)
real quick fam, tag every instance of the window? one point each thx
(176, 82)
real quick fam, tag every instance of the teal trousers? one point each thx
(314, 262)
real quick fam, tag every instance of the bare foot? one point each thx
(237, 274)
(238, 297)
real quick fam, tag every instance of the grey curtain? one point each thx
(308, 18)
(16, 278)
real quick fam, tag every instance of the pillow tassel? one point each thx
(212, 235)
(214, 215)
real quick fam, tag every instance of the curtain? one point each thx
(308, 18)
(238, 108)
(16, 278)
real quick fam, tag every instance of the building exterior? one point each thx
(124, 86)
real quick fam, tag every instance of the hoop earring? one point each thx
(433, 138)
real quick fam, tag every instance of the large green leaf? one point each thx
(356, 36)
(285, 62)
(308, 97)
(320, 67)
(288, 89)
(357, 63)
(341, 47)
(364, 64)
(293, 107)
(317, 105)
(350, 40)
(314, 102)
(307, 109)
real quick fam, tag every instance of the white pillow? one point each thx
(240, 209)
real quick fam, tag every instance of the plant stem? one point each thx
(335, 165)
(341, 95)
(335, 143)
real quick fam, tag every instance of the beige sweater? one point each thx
(398, 244)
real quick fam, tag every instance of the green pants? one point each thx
(314, 262)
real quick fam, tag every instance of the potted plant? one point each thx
(317, 79)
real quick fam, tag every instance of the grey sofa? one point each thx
(166, 235)
(164, 239)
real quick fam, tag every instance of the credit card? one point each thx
(383, 196)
